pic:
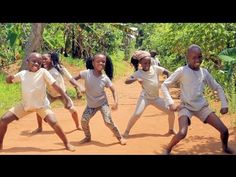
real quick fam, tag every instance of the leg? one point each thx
(106, 114)
(4, 121)
(87, 115)
(214, 121)
(40, 125)
(140, 107)
(183, 129)
(51, 120)
(160, 104)
(74, 115)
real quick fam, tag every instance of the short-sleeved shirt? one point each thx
(33, 86)
(95, 88)
(150, 81)
(59, 80)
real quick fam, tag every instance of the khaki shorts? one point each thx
(20, 112)
(202, 114)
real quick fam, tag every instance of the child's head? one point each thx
(194, 56)
(51, 60)
(153, 53)
(142, 57)
(47, 62)
(34, 62)
(101, 62)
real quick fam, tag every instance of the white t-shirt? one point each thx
(59, 81)
(33, 86)
(155, 61)
(192, 84)
(95, 88)
(150, 81)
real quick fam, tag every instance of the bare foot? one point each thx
(166, 152)
(78, 128)
(171, 132)
(38, 130)
(85, 140)
(126, 134)
(228, 150)
(69, 147)
(123, 141)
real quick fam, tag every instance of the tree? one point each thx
(34, 42)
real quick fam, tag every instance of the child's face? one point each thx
(145, 63)
(47, 62)
(99, 62)
(34, 62)
(194, 57)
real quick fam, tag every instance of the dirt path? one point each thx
(146, 137)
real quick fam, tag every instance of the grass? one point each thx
(9, 95)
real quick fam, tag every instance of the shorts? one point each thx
(20, 112)
(202, 114)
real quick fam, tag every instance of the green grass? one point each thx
(9, 95)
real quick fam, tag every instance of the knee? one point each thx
(84, 122)
(109, 125)
(225, 132)
(182, 134)
(51, 120)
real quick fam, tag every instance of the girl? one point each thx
(34, 98)
(52, 64)
(148, 77)
(95, 83)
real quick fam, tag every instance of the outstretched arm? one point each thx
(130, 80)
(9, 79)
(115, 97)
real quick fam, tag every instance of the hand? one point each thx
(140, 81)
(115, 106)
(173, 107)
(68, 104)
(223, 110)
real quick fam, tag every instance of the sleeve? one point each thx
(175, 77)
(159, 69)
(83, 74)
(48, 77)
(66, 73)
(18, 76)
(211, 82)
(108, 82)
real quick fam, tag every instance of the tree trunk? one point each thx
(34, 43)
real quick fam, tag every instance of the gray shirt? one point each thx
(95, 88)
(192, 84)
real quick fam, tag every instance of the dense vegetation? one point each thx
(80, 40)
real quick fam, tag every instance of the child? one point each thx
(192, 80)
(148, 77)
(34, 98)
(95, 83)
(154, 59)
(52, 64)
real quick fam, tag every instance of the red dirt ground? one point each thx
(147, 137)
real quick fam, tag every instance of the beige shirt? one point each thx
(95, 88)
(192, 84)
(33, 86)
(150, 79)
(59, 81)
